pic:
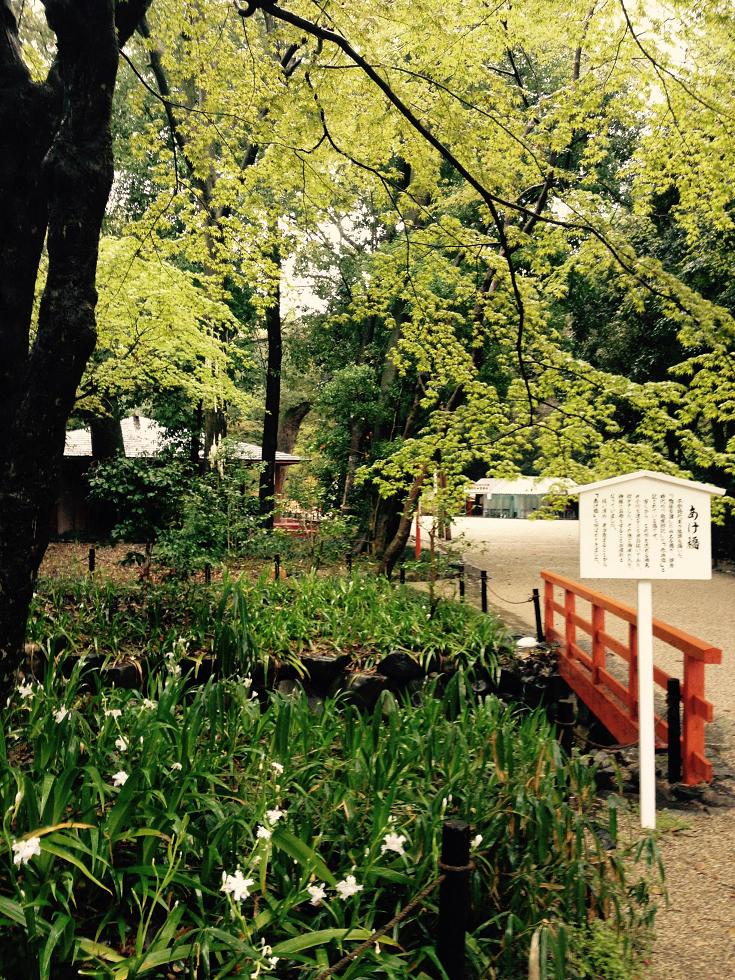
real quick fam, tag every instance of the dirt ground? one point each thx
(695, 936)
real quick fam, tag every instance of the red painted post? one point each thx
(693, 721)
(548, 609)
(633, 671)
(598, 647)
(570, 630)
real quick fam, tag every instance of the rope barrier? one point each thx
(509, 602)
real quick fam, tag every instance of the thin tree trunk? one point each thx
(396, 547)
(267, 488)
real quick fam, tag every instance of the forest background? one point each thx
(514, 222)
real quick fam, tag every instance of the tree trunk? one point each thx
(397, 545)
(107, 438)
(290, 425)
(267, 488)
(56, 171)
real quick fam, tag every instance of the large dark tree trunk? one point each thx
(56, 171)
(267, 489)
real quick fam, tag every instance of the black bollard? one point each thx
(537, 610)
(402, 575)
(207, 574)
(454, 898)
(483, 590)
(277, 567)
(673, 719)
(348, 562)
(461, 580)
(92, 559)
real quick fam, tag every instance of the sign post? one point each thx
(649, 527)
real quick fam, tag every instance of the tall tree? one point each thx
(56, 172)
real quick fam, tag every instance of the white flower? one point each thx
(262, 833)
(60, 714)
(393, 842)
(176, 767)
(277, 768)
(147, 703)
(476, 841)
(120, 778)
(317, 893)
(273, 816)
(348, 887)
(176, 671)
(272, 961)
(247, 683)
(236, 885)
(24, 850)
(527, 642)
(26, 690)
(121, 744)
(112, 712)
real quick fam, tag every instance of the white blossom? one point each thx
(273, 816)
(236, 885)
(393, 842)
(24, 850)
(147, 703)
(317, 893)
(176, 767)
(121, 744)
(113, 712)
(476, 841)
(348, 887)
(277, 768)
(263, 833)
(120, 778)
(60, 714)
(26, 690)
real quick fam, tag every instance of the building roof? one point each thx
(143, 439)
(675, 481)
(531, 485)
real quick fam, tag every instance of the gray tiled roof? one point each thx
(144, 438)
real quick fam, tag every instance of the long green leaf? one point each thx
(318, 938)
(302, 853)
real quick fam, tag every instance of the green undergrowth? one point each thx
(245, 622)
(201, 831)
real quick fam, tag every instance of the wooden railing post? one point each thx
(548, 609)
(570, 630)
(693, 740)
(633, 671)
(598, 647)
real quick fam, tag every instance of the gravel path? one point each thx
(696, 933)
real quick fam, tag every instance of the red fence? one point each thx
(614, 703)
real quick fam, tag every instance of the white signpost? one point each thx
(645, 526)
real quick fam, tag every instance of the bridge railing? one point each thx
(616, 703)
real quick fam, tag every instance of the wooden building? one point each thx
(76, 516)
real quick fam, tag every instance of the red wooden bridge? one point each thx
(616, 703)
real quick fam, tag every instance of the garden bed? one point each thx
(211, 831)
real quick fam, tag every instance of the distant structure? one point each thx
(77, 516)
(517, 498)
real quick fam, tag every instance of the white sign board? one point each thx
(646, 526)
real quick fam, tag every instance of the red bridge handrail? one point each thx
(616, 704)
